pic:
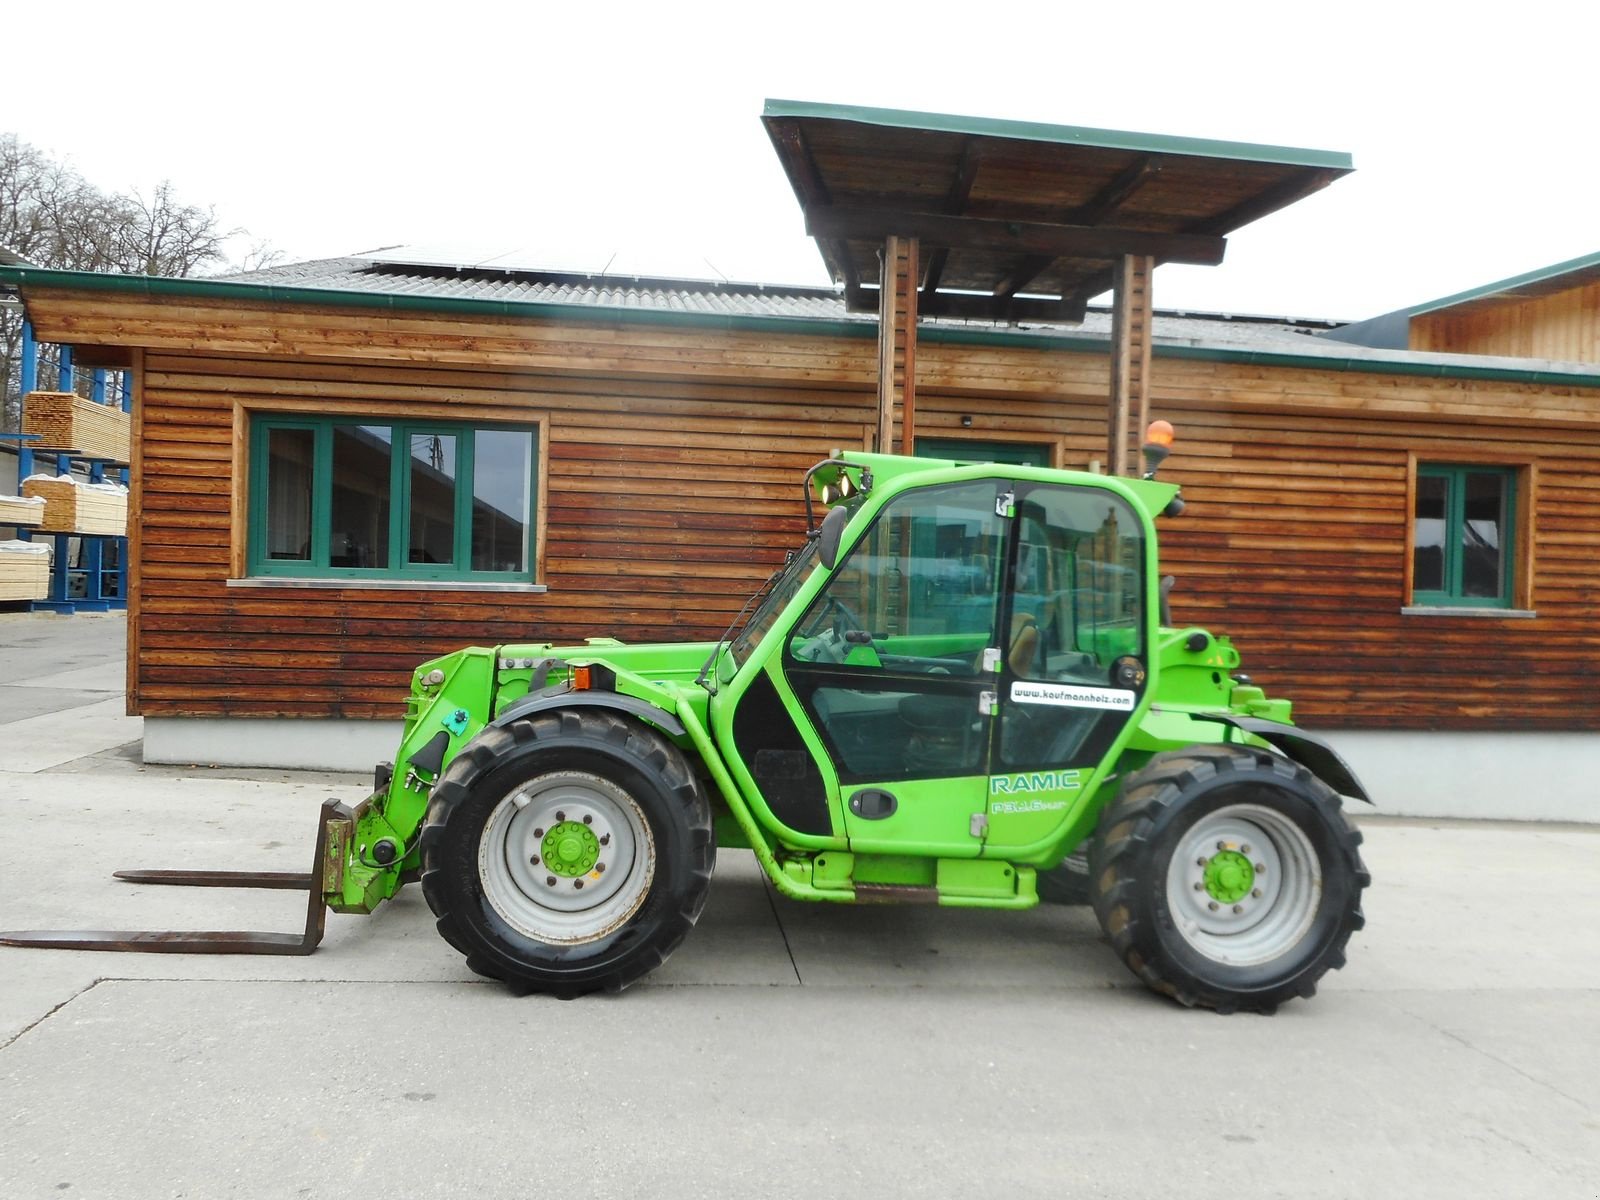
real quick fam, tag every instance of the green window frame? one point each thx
(976, 450)
(1464, 536)
(401, 528)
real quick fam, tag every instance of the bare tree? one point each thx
(52, 217)
(161, 236)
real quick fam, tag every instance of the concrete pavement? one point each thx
(886, 1051)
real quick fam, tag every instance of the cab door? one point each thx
(894, 664)
(1076, 661)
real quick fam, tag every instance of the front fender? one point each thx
(663, 720)
(1313, 753)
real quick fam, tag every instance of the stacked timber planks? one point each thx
(22, 511)
(71, 506)
(24, 571)
(67, 421)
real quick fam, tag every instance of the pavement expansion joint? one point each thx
(777, 919)
(32, 1025)
(1467, 1044)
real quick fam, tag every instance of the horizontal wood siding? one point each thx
(1295, 544)
(1564, 327)
(674, 458)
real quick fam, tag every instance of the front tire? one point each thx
(568, 852)
(1228, 877)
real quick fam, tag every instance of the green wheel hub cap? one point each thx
(570, 849)
(1229, 877)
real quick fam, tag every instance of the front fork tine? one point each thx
(287, 880)
(326, 872)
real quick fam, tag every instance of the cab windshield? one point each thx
(781, 590)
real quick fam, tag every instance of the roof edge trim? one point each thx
(1032, 131)
(1488, 290)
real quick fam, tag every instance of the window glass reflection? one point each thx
(1427, 558)
(502, 482)
(1482, 535)
(433, 498)
(359, 524)
(289, 472)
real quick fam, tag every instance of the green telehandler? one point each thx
(964, 683)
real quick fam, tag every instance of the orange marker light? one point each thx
(580, 679)
(1160, 433)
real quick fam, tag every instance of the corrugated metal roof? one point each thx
(498, 294)
(391, 275)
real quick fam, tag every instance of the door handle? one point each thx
(873, 804)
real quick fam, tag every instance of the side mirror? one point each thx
(830, 534)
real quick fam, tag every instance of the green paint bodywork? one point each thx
(974, 840)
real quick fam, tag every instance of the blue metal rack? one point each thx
(98, 582)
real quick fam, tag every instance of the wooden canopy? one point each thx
(924, 214)
(1019, 220)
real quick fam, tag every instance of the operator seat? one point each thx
(1024, 647)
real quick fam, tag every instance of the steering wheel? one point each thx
(836, 615)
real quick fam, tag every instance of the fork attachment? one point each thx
(334, 828)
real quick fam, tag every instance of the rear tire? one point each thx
(1067, 882)
(1228, 877)
(568, 852)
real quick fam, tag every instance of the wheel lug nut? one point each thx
(1212, 906)
(605, 839)
(1256, 894)
(588, 820)
(538, 833)
(1222, 845)
(577, 883)
(599, 867)
(1261, 868)
(560, 816)
(1244, 849)
(549, 881)
(1238, 908)
(1199, 887)
(533, 861)
(1202, 860)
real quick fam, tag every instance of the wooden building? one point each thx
(1552, 313)
(342, 468)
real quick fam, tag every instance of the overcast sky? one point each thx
(576, 136)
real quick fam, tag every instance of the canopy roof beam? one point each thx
(955, 204)
(1102, 206)
(1101, 243)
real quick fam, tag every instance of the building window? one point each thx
(1463, 536)
(413, 500)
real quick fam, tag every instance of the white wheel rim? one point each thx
(565, 901)
(1244, 917)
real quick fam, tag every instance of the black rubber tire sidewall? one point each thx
(1280, 975)
(496, 948)
(1139, 834)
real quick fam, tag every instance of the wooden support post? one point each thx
(1130, 361)
(897, 345)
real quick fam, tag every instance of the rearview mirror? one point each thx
(829, 535)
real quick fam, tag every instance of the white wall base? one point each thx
(1482, 776)
(320, 745)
